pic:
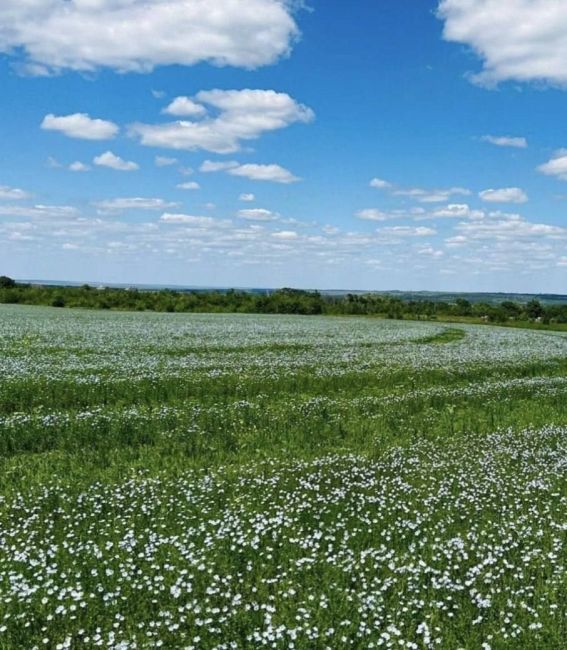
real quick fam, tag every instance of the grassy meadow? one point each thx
(238, 481)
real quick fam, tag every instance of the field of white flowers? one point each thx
(233, 481)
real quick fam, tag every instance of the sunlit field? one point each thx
(235, 481)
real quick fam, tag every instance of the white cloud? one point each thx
(420, 194)
(189, 219)
(429, 251)
(432, 196)
(247, 197)
(133, 203)
(380, 184)
(407, 231)
(184, 107)
(78, 166)
(505, 141)
(487, 244)
(451, 210)
(137, 35)
(39, 211)
(12, 193)
(455, 210)
(80, 125)
(519, 40)
(273, 173)
(217, 166)
(191, 185)
(286, 235)
(53, 163)
(164, 161)
(108, 159)
(504, 195)
(242, 115)
(372, 214)
(258, 214)
(557, 166)
(502, 227)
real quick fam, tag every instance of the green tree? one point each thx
(534, 309)
(463, 307)
(6, 282)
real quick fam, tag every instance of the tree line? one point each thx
(281, 301)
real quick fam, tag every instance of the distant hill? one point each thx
(442, 296)
(418, 296)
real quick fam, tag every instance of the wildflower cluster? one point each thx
(427, 547)
(232, 481)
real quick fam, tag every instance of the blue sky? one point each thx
(367, 144)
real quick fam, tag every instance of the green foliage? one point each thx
(282, 301)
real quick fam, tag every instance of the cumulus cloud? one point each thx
(78, 166)
(431, 196)
(372, 214)
(407, 231)
(80, 125)
(420, 194)
(108, 159)
(247, 197)
(504, 195)
(258, 214)
(380, 184)
(190, 185)
(233, 116)
(184, 107)
(189, 219)
(133, 203)
(217, 166)
(429, 251)
(557, 166)
(503, 227)
(286, 235)
(273, 173)
(12, 193)
(489, 242)
(39, 211)
(505, 141)
(136, 35)
(449, 211)
(164, 161)
(455, 210)
(516, 40)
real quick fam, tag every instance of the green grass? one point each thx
(449, 335)
(517, 324)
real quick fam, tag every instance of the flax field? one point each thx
(185, 481)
